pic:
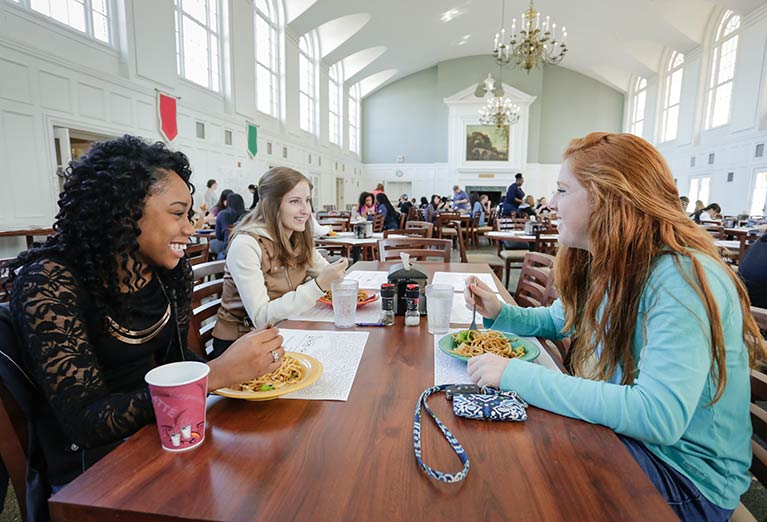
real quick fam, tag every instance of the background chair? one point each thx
(411, 232)
(378, 222)
(206, 300)
(536, 278)
(418, 248)
(198, 253)
(421, 224)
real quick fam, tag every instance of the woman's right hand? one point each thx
(332, 273)
(488, 304)
(248, 357)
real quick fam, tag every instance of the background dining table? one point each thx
(321, 460)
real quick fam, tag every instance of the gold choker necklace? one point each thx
(137, 336)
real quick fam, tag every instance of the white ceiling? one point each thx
(382, 41)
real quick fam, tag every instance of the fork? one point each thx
(473, 325)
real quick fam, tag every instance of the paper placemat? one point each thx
(368, 280)
(448, 370)
(320, 312)
(340, 354)
(458, 280)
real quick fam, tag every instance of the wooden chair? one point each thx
(337, 224)
(412, 214)
(328, 207)
(197, 254)
(421, 224)
(534, 281)
(759, 424)
(546, 245)
(402, 220)
(200, 334)
(4, 274)
(412, 232)
(760, 316)
(515, 255)
(378, 222)
(418, 248)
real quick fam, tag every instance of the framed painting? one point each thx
(487, 143)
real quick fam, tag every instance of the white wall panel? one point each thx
(15, 81)
(120, 109)
(155, 46)
(55, 92)
(146, 116)
(91, 101)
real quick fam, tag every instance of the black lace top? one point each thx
(93, 382)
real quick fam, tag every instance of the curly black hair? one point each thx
(99, 209)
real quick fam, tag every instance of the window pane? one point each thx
(672, 117)
(100, 27)
(727, 62)
(214, 74)
(195, 9)
(675, 87)
(99, 6)
(303, 111)
(195, 52)
(721, 113)
(263, 42)
(639, 113)
(76, 15)
(179, 46)
(213, 15)
(704, 189)
(263, 90)
(263, 6)
(693, 194)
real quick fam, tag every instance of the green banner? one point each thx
(252, 140)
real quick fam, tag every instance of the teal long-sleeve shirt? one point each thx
(667, 405)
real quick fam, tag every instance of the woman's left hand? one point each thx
(487, 369)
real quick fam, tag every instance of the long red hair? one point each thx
(635, 219)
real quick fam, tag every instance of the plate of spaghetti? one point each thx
(469, 343)
(298, 371)
(363, 297)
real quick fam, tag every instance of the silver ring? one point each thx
(275, 357)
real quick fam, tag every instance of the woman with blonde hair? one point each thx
(665, 338)
(272, 268)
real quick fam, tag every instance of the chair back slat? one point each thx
(211, 269)
(418, 248)
(200, 335)
(198, 253)
(421, 224)
(760, 316)
(378, 222)
(411, 232)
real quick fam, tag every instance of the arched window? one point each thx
(91, 17)
(354, 118)
(267, 58)
(722, 71)
(638, 98)
(307, 84)
(335, 98)
(197, 42)
(672, 92)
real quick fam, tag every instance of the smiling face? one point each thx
(573, 207)
(165, 226)
(295, 208)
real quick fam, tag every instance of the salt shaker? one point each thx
(412, 316)
(387, 304)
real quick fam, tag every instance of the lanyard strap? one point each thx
(443, 477)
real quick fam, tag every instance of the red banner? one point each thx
(166, 112)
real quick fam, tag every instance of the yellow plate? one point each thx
(313, 371)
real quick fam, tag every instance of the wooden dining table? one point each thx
(283, 460)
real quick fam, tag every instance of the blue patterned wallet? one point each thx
(492, 405)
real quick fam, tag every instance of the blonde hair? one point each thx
(291, 248)
(635, 219)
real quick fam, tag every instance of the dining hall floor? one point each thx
(755, 499)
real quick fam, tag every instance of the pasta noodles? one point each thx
(291, 372)
(470, 343)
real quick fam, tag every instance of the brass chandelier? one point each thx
(498, 110)
(536, 42)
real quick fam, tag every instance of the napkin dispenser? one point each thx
(531, 227)
(363, 229)
(401, 275)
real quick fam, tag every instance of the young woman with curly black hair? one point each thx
(107, 298)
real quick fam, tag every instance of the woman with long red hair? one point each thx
(665, 338)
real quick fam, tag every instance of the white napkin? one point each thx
(405, 257)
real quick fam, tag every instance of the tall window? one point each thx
(354, 118)
(307, 85)
(759, 201)
(699, 190)
(722, 71)
(335, 95)
(638, 97)
(671, 95)
(91, 17)
(198, 42)
(267, 58)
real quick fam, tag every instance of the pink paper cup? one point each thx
(178, 393)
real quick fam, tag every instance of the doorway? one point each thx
(339, 193)
(71, 145)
